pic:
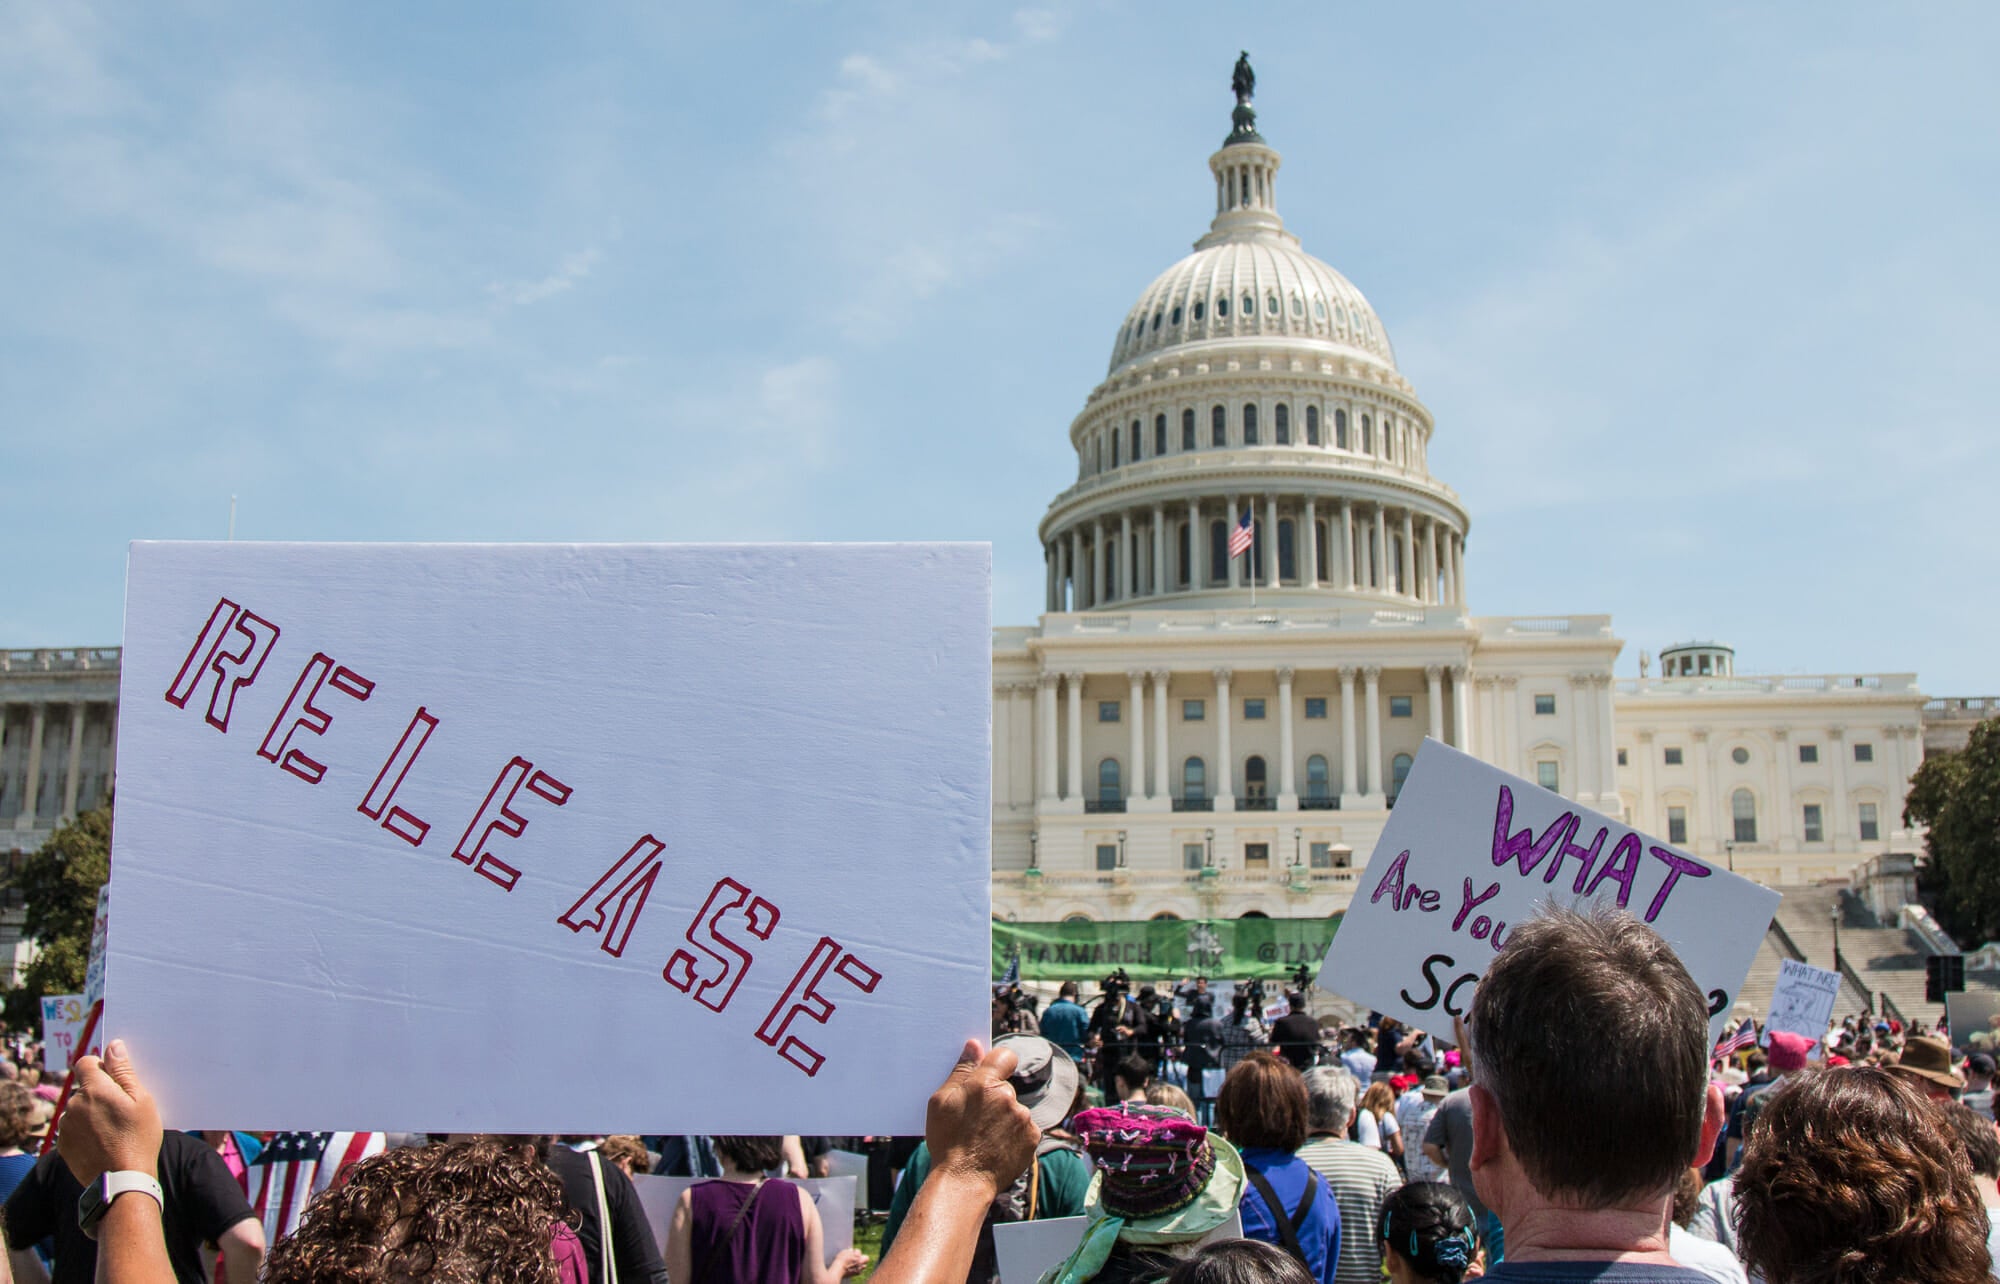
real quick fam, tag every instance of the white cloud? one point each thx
(573, 268)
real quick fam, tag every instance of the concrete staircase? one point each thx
(1888, 960)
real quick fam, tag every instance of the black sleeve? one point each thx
(210, 1200)
(632, 1244)
(31, 1209)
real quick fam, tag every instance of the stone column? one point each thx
(1162, 783)
(1100, 565)
(1409, 558)
(1226, 533)
(1511, 715)
(1427, 582)
(1782, 832)
(1045, 737)
(1458, 568)
(1271, 541)
(1225, 773)
(1075, 580)
(1461, 708)
(1434, 697)
(1048, 577)
(1127, 585)
(1159, 549)
(37, 724)
(1288, 792)
(1706, 804)
(1839, 822)
(73, 769)
(1347, 544)
(1135, 702)
(1378, 563)
(1607, 741)
(1312, 544)
(1075, 681)
(1584, 787)
(1348, 757)
(1372, 784)
(1197, 545)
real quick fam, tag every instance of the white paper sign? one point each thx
(1802, 1002)
(63, 1017)
(833, 1197)
(397, 824)
(1025, 1251)
(1470, 851)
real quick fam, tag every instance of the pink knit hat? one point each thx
(1788, 1051)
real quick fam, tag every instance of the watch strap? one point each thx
(98, 1195)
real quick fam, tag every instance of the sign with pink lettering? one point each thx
(552, 838)
(1470, 851)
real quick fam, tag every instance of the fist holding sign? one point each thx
(1471, 850)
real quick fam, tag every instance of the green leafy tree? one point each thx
(1957, 795)
(59, 887)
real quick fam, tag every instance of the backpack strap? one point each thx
(607, 1264)
(1289, 1224)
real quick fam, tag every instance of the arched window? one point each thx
(1271, 304)
(1108, 788)
(1288, 559)
(1156, 322)
(1194, 780)
(1281, 424)
(1114, 448)
(1097, 454)
(1218, 427)
(1249, 423)
(1312, 425)
(1187, 429)
(1132, 452)
(1249, 308)
(1221, 307)
(1175, 319)
(1367, 435)
(1199, 308)
(1159, 434)
(1253, 778)
(1340, 428)
(1218, 552)
(1743, 810)
(1076, 918)
(1187, 555)
(1320, 558)
(1399, 771)
(1166, 916)
(1319, 785)
(1253, 914)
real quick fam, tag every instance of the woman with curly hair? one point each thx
(450, 1212)
(1851, 1175)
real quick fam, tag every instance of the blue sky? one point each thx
(1703, 298)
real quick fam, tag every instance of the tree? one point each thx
(1957, 795)
(59, 885)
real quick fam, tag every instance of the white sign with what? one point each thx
(1802, 1002)
(1470, 851)
(391, 818)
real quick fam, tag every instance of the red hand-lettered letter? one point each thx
(760, 919)
(400, 822)
(628, 882)
(518, 774)
(802, 998)
(209, 656)
(300, 713)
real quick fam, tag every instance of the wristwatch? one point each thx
(97, 1196)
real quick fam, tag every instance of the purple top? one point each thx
(768, 1244)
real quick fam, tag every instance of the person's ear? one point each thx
(1489, 1136)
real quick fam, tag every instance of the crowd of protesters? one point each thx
(1580, 1125)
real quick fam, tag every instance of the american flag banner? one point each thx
(295, 1166)
(1241, 538)
(1745, 1036)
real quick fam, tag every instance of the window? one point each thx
(1743, 812)
(1677, 826)
(1256, 855)
(1281, 424)
(1288, 558)
(1249, 308)
(1319, 785)
(1191, 853)
(1870, 830)
(1739, 755)
(1193, 711)
(1340, 428)
(1187, 429)
(1399, 706)
(1545, 704)
(1218, 427)
(1808, 753)
(1298, 306)
(1133, 452)
(1322, 856)
(1253, 710)
(1621, 757)
(1270, 300)
(1367, 435)
(1114, 448)
(1254, 780)
(1194, 780)
(1312, 425)
(1218, 551)
(1200, 306)
(1107, 856)
(1673, 756)
(1315, 706)
(1814, 832)
(1864, 753)
(1221, 307)
(1399, 771)
(1249, 425)
(1108, 790)
(1159, 434)
(1107, 711)
(1174, 318)
(1548, 776)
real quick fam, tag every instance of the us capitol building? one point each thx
(1196, 734)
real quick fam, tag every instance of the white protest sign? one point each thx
(63, 1017)
(401, 827)
(1470, 851)
(833, 1198)
(1024, 1251)
(1802, 1002)
(1277, 1009)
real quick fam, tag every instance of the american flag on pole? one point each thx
(296, 1166)
(1745, 1036)
(1240, 538)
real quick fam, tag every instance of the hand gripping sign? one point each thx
(1471, 851)
(552, 839)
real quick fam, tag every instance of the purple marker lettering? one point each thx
(1523, 848)
(1587, 855)
(1395, 874)
(1473, 902)
(1676, 866)
(1621, 869)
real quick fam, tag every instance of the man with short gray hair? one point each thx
(1590, 1097)
(1361, 1177)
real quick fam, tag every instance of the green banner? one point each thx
(1156, 950)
